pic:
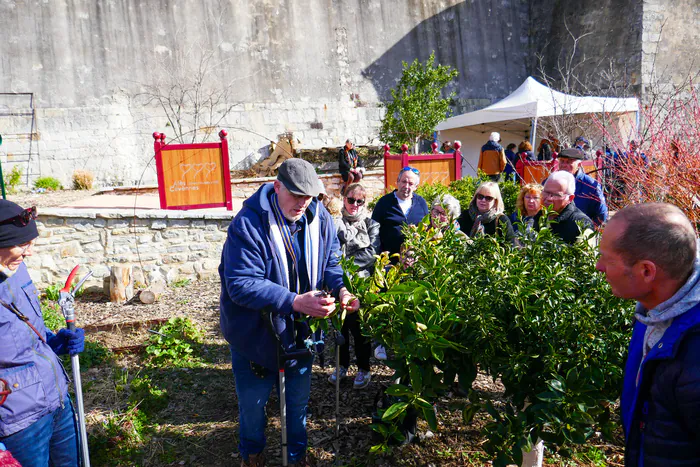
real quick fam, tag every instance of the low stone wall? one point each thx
(161, 246)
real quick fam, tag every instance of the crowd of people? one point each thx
(281, 263)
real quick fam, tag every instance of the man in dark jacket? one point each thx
(281, 249)
(401, 207)
(558, 193)
(649, 253)
(589, 193)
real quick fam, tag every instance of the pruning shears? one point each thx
(66, 297)
(66, 300)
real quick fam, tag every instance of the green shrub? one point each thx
(48, 183)
(175, 344)
(147, 395)
(13, 179)
(539, 317)
(53, 318)
(120, 439)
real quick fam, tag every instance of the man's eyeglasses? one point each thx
(481, 197)
(549, 194)
(21, 219)
(25, 247)
(412, 169)
(359, 202)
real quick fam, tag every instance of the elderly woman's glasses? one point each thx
(359, 202)
(481, 197)
(21, 219)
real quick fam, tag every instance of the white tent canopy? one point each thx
(516, 116)
(533, 99)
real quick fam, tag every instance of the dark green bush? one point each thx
(175, 343)
(539, 317)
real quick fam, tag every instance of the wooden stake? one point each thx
(121, 284)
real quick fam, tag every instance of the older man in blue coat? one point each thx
(281, 249)
(589, 193)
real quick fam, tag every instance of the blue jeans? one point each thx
(253, 393)
(51, 440)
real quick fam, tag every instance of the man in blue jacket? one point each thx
(398, 208)
(649, 253)
(281, 249)
(589, 193)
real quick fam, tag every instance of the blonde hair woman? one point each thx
(485, 214)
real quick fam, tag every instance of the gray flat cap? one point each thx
(299, 177)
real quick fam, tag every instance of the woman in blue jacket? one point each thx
(37, 422)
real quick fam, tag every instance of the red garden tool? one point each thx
(66, 300)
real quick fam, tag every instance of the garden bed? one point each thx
(198, 424)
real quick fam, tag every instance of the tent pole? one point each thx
(533, 132)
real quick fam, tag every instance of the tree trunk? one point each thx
(121, 284)
(148, 297)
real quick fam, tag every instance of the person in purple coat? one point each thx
(37, 421)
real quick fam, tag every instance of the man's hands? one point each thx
(314, 304)
(349, 301)
(318, 305)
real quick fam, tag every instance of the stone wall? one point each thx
(162, 246)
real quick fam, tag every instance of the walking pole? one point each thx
(339, 340)
(282, 359)
(66, 301)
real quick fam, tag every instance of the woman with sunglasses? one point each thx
(485, 214)
(37, 421)
(359, 239)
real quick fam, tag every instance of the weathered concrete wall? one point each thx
(608, 30)
(670, 46)
(312, 67)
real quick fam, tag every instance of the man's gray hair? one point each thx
(660, 233)
(564, 177)
(495, 137)
(449, 203)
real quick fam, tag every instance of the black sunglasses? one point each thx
(21, 219)
(412, 169)
(359, 202)
(481, 197)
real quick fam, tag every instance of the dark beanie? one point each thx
(13, 233)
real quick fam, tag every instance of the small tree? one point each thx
(417, 105)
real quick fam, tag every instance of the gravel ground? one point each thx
(50, 199)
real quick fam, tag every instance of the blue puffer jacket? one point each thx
(32, 370)
(661, 397)
(590, 198)
(254, 281)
